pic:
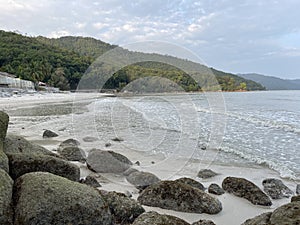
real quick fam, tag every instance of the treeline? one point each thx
(62, 63)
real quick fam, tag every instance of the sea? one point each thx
(240, 128)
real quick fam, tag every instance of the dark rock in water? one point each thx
(91, 181)
(276, 189)
(204, 222)
(90, 139)
(49, 134)
(107, 162)
(117, 139)
(263, 219)
(72, 153)
(298, 189)
(107, 144)
(6, 189)
(69, 143)
(206, 173)
(246, 189)
(215, 189)
(44, 198)
(141, 180)
(4, 119)
(129, 171)
(154, 218)
(295, 198)
(17, 144)
(191, 182)
(22, 163)
(137, 163)
(288, 214)
(179, 197)
(123, 209)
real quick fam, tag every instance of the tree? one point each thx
(58, 80)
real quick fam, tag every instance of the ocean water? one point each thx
(250, 128)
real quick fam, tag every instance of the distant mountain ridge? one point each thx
(273, 83)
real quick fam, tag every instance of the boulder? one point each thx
(215, 189)
(204, 222)
(107, 162)
(89, 139)
(3, 159)
(298, 189)
(4, 119)
(191, 182)
(288, 214)
(154, 218)
(69, 143)
(179, 197)
(44, 198)
(123, 209)
(276, 189)
(263, 219)
(21, 163)
(246, 189)
(141, 180)
(91, 181)
(206, 173)
(17, 144)
(6, 189)
(295, 198)
(49, 134)
(129, 171)
(72, 153)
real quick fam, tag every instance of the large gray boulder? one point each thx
(154, 218)
(204, 222)
(25, 163)
(246, 189)
(44, 198)
(124, 209)
(69, 143)
(276, 189)
(191, 182)
(179, 197)
(72, 153)
(6, 189)
(141, 180)
(263, 219)
(295, 198)
(18, 144)
(288, 214)
(107, 162)
(4, 119)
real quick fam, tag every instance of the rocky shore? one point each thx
(39, 186)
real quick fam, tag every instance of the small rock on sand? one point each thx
(206, 173)
(49, 134)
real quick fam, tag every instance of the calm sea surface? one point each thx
(253, 128)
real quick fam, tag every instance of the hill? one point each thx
(63, 61)
(273, 83)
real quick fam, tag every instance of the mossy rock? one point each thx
(6, 188)
(154, 218)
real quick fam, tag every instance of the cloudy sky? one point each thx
(239, 36)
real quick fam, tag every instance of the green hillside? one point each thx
(62, 62)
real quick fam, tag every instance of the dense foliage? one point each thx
(62, 62)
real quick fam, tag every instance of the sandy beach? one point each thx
(29, 118)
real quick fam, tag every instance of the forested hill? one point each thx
(62, 62)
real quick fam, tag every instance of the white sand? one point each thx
(235, 210)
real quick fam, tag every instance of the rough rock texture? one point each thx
(288, 214)
(262, 219)
(69, 143)
(49, 134)
(6, 188)
(298, 189)
(25, 163)
(141, 180)
(206, 173)
(295, 198)
(107, 162)
(129, 171)
(4, 119)
(204, 222)
(72, 153)
(215, 189)
(246, 189)
(3, 159)
(17, 144)
(123, 209)
(154, 218)
(191, 182)
(91, 181)
(276, 189)
(44, 198)
(179, 197)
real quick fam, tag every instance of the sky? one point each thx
(238, 36)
